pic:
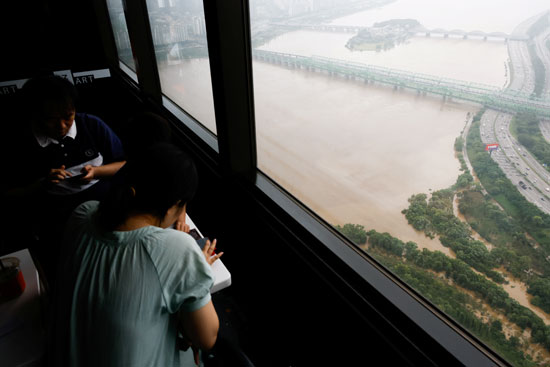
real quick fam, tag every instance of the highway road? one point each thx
(516, 163)
(514, 160)
(523, 76)
(542, 40)
(543, 52)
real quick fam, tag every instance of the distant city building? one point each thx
(169, 32)
(297, 7)
(199, 26)
(165, 3)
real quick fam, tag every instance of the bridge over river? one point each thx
(419, 30)
(507, 100)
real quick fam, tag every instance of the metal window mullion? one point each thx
(105, 29)
(141, 40)
(228, 35)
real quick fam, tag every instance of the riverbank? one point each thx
(449, 289)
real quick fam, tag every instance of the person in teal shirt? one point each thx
(131, 286)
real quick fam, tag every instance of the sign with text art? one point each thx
(11, 87)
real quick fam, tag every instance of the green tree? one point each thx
(459, 144)
(464, 180)
(537, 220)
(355, 232)
(540, 289)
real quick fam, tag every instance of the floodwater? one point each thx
(515, 287)
(477, 61)
(518, 291)
(355, 153)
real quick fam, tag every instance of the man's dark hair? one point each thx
(49, 90)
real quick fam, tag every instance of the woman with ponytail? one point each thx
(130, 283)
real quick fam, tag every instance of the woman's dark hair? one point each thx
(51, 90)
(144, 129)
(150, 182)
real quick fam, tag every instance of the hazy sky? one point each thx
(468, 15)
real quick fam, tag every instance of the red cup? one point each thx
(12, 283)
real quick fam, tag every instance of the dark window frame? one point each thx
(139, 31)
(105, 28)
(418, 329)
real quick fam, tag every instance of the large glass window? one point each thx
(120, 32)
(179, 38)
(419, 129)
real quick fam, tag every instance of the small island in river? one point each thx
(383, 35)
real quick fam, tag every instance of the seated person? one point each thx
(129, 282)
(145, 129)
(47, 154)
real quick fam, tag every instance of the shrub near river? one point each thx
(520, 242)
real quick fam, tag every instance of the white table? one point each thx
(222, 277)
(21, 320)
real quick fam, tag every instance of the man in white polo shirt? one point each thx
(57, 160)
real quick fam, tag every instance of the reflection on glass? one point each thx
(419, 130)
(179, 38)
(120, 32)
